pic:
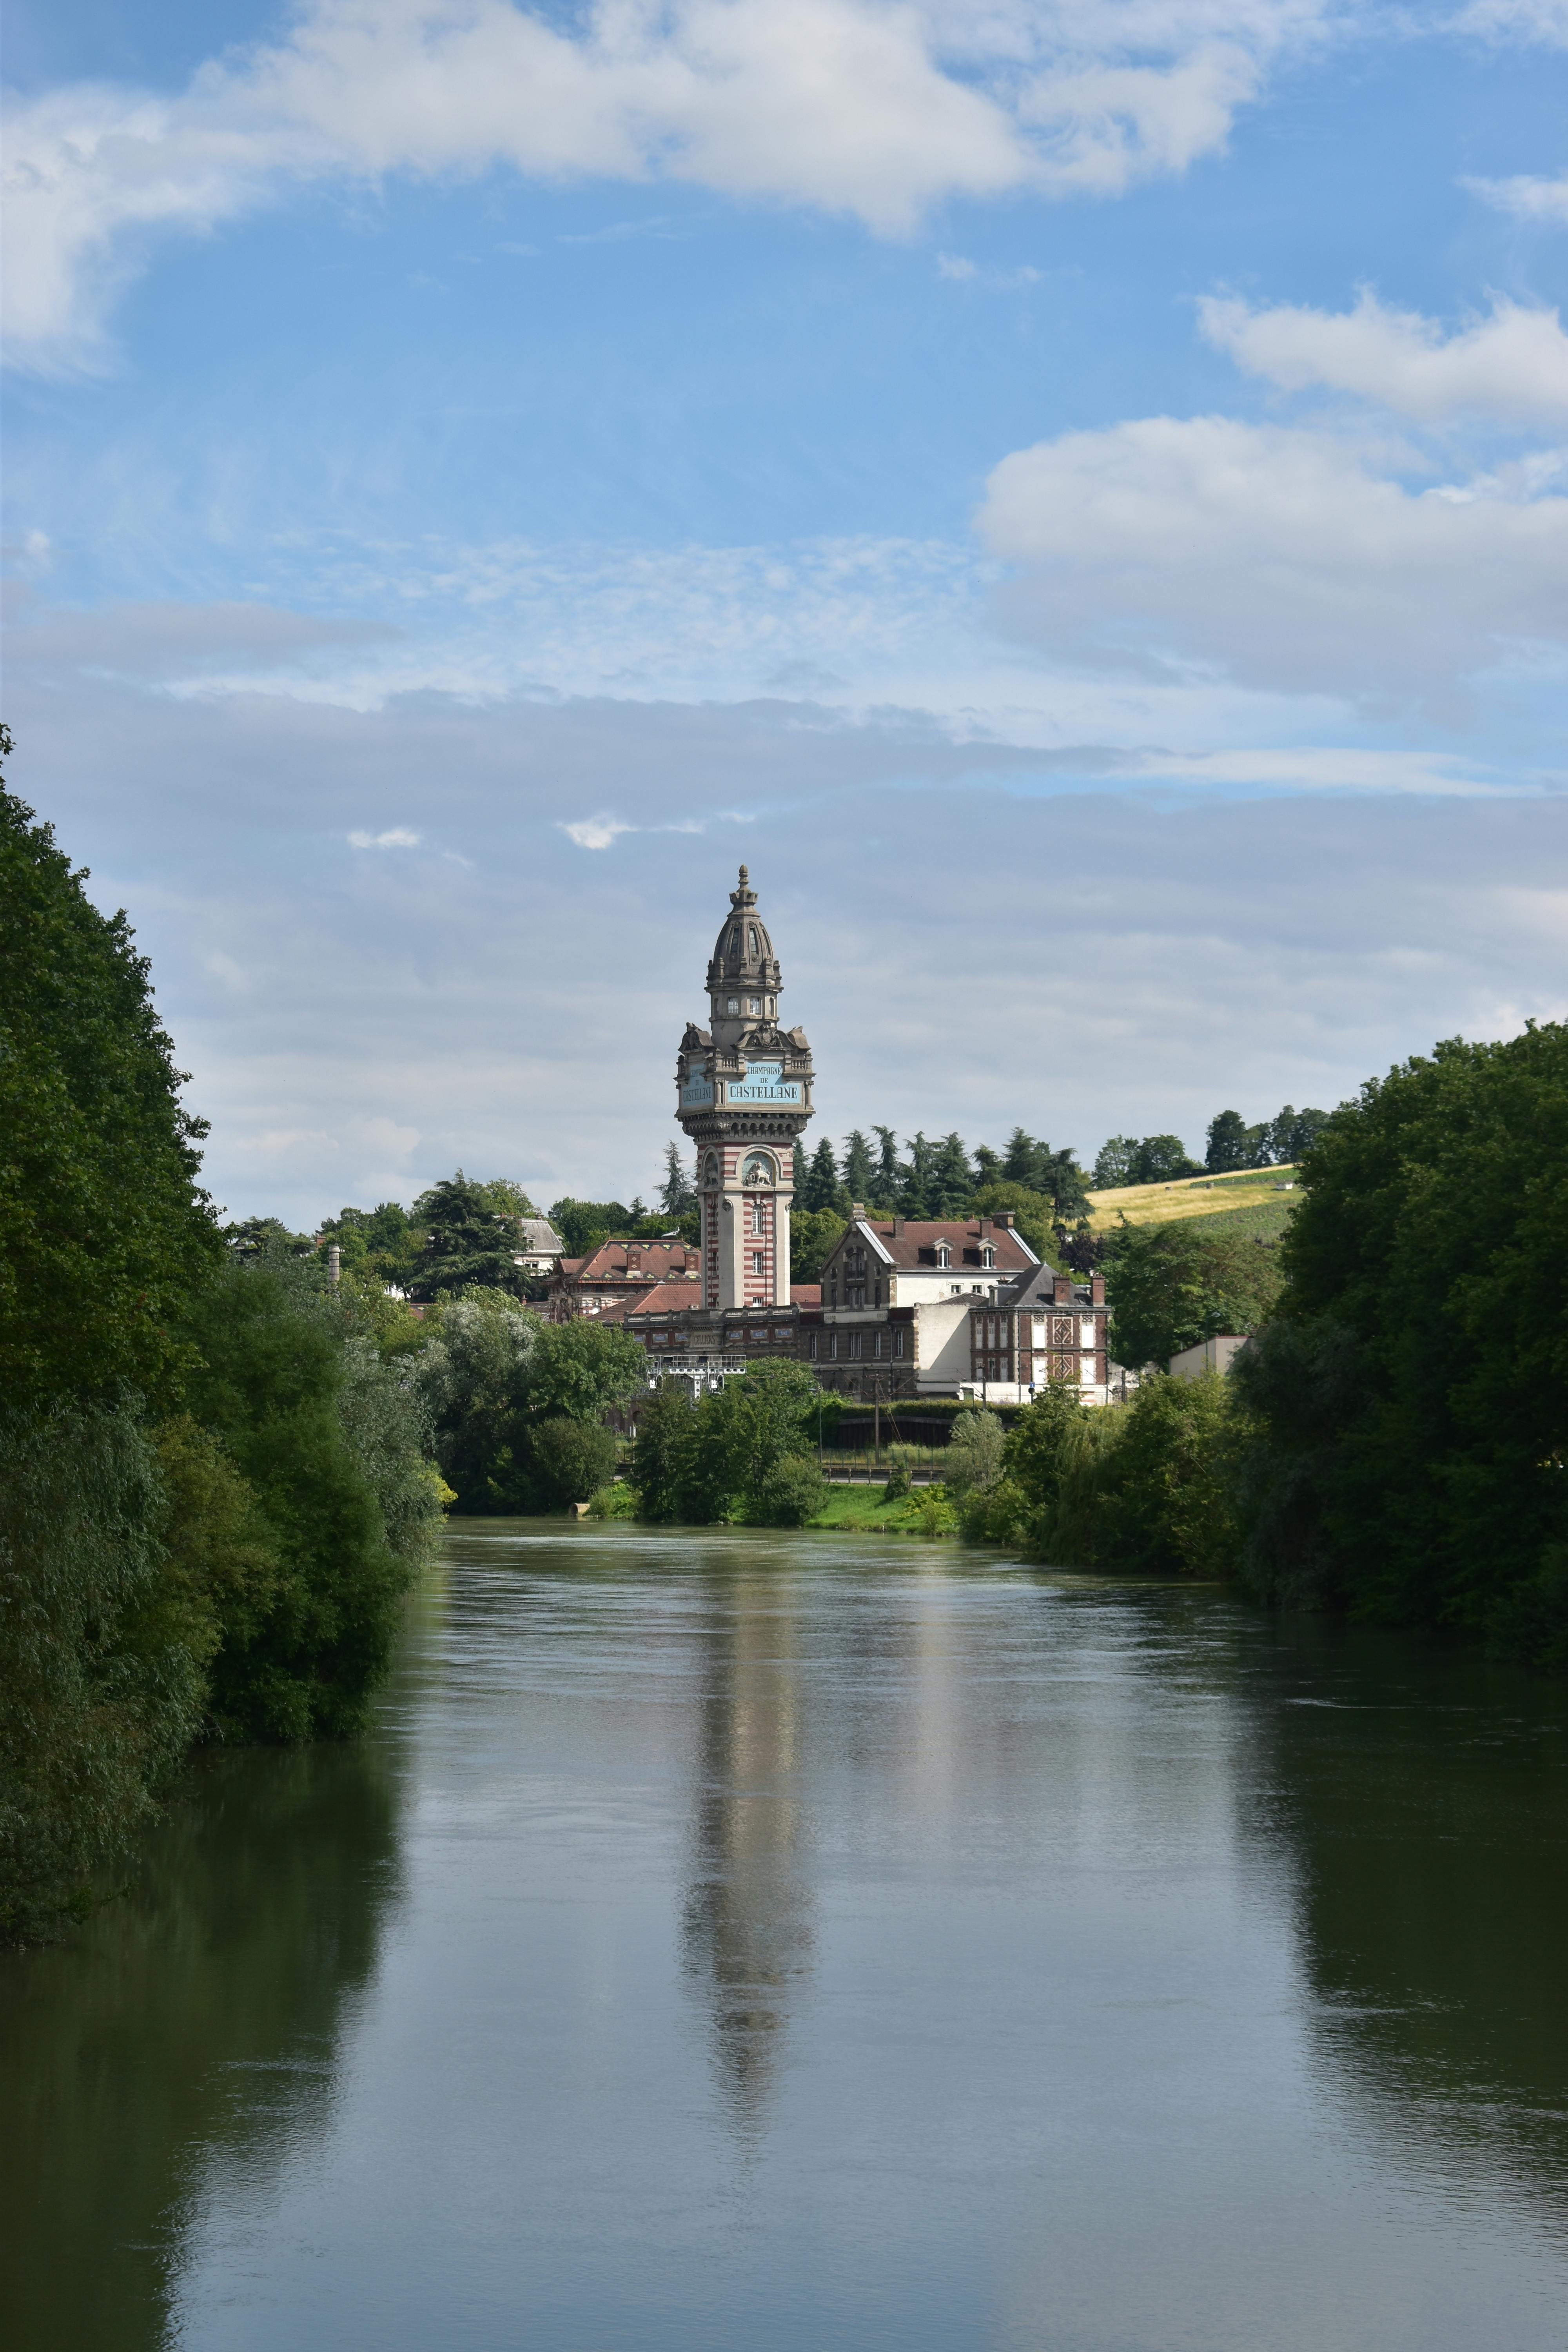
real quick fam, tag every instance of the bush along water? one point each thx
(216, 1471)
(744, 1452)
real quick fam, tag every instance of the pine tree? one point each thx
(860, 1170)
(821, 1190)
(889, 1177)
(1022, 1165)
(675, 1194)
(987, 1167)
(952, 1177)
(915, 1177)
(799, 1168)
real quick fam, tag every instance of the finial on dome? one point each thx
(743, 876)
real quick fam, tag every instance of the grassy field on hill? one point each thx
(1258, 1201)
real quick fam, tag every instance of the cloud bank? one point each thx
(867, 108)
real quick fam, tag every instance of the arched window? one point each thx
(943, 1255)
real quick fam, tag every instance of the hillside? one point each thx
(1259, 1200)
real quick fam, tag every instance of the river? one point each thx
(745, 1943)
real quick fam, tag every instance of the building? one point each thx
(617, 1274)
(743, 1095)
(540, 1246)
(905, 1308)
(1216, 1355)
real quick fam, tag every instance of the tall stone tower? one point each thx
(742, 1095)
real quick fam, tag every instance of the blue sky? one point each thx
(1074, 496)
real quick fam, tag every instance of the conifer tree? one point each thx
(860, 1170)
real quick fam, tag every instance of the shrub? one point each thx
(570, 1459)
(793, 1491)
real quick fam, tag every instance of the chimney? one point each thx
(898, 1226)
(334, 1265)
(1097, 1290)
(1003, 1220)
(985, 1229)
(1061, 1289)
(856, 1208)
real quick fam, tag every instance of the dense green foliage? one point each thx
(213, 1480)
(1277, 1142)
(744, 1451)
(1412, 1395)
(1142, 1489)
(329, 1440)
(464, 1239)
(104, 1229)
(1172, 1285)
(505, 1392)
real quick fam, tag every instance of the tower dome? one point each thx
(742, 953)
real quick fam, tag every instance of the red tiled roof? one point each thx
(665, 1298)
(806, 1294)
(657, 1261)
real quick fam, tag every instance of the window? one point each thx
(751, 937)
(876, 1344)
(943, 1255)
(987, 1254)
(759, 1260)
(879, 1290)
(754, 1004)
(833, 1343)
(898, 1340)
(856, 1345)
(813, 1348)
(733, 1005)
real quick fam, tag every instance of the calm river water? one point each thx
(775, 1944)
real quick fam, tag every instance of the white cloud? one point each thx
(1526, 197)
(397, 838)
(596, 832)
(1280, 557)
(1511, 364)
(1521, 20)
(865, 107)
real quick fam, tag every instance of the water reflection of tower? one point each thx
(747, 1926)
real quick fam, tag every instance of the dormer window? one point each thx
(943, 1255)
(987, 1254)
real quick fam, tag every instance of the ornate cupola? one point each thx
(742, 1095)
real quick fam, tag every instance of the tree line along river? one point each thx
(729, 1939)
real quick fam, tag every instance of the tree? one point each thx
(915, 1179)
(580, 1370)
(473, 1382)
(583, 1224)
(952, 1179)
(797, 1167)
(383, 1241)
(1021, 1165)
(1162, 1159)
(1226, 1143)
(987, 1166)
(888, 1170)
(1114, 1163)
(1032, 1214)
(738, 1452)
(104, 1232)
(974, 1466)
(822, 1186)
(1166, 1503)
(677, 1194)
(1425, 1368)
(1292, 1135)
(859, 1169)
(269, 1387)
(570, 1460)
(1169, 1287)
(465, 1241)
(814, 1235)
